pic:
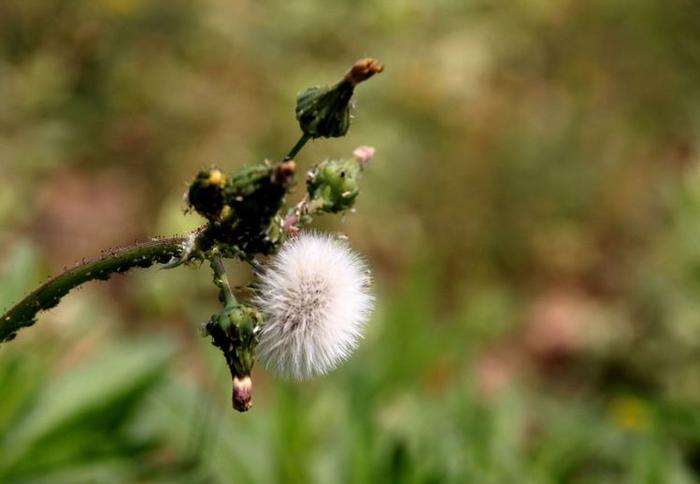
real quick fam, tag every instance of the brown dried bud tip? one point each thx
(242, 393)
(362, 70)
(284, 172)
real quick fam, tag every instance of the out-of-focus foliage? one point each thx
(532, 216)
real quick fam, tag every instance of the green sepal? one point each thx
(233, 330)
(251, 198)
(324, 112)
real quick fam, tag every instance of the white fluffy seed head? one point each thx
(315, 298)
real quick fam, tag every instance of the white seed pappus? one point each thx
(315, 297)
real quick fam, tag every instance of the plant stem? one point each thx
(297, 147)
(225, 294)
(48, 295)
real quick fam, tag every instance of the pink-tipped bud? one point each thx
(242, 393)
(289, 225)
(364, 154)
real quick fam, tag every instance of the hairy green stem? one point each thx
(49, 294)
(225, 294)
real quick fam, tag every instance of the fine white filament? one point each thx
(314, 296)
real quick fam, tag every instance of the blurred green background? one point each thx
(532, 217)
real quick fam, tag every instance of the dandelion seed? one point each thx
(316, 302)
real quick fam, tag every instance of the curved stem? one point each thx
(48, 295)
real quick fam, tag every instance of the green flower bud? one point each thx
(206, 193)
(333, 185)
(325, 111)
(234, 331)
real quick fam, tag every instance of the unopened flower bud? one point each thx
(206, 193)
(325, 111)
(333, 185)
(234, 331)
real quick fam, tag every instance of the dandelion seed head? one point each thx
(315, 299)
